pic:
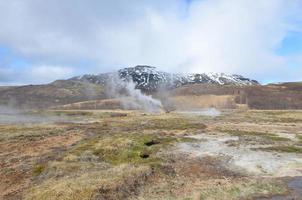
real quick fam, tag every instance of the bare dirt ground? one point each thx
(228, 154)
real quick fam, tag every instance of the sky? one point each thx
(42, 41)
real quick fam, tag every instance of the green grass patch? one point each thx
(148, 123)
(299, 137)
(173, 124)
(269, 136)
(128, 148)
(276, 138)
(28, 132)
(285, 149)
(72, 113)
(288, 120)
(38, 169)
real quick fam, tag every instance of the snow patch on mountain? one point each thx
(149, 78)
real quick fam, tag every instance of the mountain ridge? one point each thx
(148, 78)
(92, 87)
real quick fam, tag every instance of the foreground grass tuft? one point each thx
(242, 190)
(38, 169)
(85, 186)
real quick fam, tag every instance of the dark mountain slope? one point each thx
(56, 93)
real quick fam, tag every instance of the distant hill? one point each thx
(207, 89)
(56, 93)
(271, 96)
(275, 96)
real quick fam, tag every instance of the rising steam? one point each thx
(131, 98)
(11, 115)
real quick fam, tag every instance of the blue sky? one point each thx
(44, 41)
(291, 44)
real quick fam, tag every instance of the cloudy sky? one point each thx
(45, 40)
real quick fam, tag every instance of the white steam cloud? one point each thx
(131, 98)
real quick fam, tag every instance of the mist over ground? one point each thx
(11, 115)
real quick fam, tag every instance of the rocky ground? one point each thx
(230, 154)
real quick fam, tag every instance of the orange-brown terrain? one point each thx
(68, 140)
(72, 94)
(234, 154)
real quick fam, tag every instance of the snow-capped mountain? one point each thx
(149, 78)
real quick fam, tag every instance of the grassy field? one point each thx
(133, 155)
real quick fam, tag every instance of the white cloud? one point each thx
(232, 36)
(34, 74)
(48, 73)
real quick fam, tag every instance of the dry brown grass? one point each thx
(24, 145)
(242, 190)
(86, 185)
(93, 104)
(203, 101)
(102, 157)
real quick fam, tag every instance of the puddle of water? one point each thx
(296, 185)
(295, 191)
(209, 112)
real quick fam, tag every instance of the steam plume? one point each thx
(131, 98)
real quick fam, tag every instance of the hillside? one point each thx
(177, 90)
(275, 96)
(56, 93)
(266, 97)
(92, 87)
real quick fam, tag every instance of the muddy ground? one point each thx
(228, 154)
